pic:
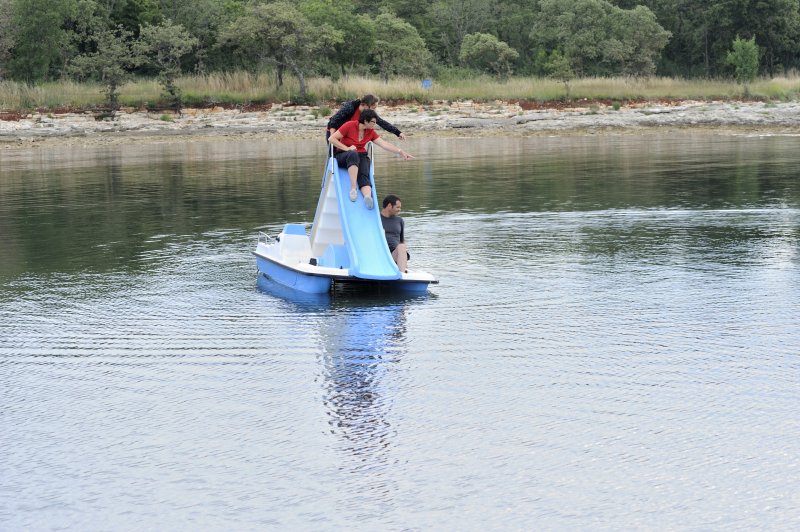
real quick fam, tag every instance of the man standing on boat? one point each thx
(394, 230)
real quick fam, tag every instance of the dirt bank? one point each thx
(445, 119)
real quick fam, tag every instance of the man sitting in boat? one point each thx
(394, 229)
(350, 142)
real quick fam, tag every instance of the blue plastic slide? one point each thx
(363, 231)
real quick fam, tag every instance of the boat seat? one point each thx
(295, 247)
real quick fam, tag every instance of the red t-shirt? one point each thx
(349, 138)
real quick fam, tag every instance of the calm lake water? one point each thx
(614, 345)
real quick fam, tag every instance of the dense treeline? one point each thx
(109, 40)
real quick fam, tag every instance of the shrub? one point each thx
(325, 110)
(616, 106)
(165, 117)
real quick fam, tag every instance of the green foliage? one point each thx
(357, 32)
(38, 33)
(39, 39)
(483, 48)
(744, 58)
(398, 47)
(134, 13)
(630, 41)
(459, 18)
(280, 35)
(560, 67)
(325, 111)
(166, 118)
(8, 33)
(114, 57)
(165, 46)
(634, 41)
(201, 19)
(616, 106)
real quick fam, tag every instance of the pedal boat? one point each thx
(346, 245)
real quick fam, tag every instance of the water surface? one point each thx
(613, 345)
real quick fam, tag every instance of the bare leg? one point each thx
(367, 190)
(400, 257)
(353, 171)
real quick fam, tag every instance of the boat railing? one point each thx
(267, 238)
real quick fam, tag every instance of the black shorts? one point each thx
(346, 159)
(408, 255)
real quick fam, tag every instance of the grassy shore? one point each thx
(242, 88)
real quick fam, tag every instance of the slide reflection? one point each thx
(362, 341)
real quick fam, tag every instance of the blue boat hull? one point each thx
(298, 281)
(412, 287)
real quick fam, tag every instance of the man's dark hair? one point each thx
(367, 115)
(391, 198)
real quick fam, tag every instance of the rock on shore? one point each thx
(443, 119)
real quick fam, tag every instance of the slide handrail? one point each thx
(329, 165)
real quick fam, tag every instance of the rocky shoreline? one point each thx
(441, 119)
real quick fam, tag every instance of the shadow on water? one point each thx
(361, 332)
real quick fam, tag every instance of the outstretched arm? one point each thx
(386, 126)
(392, 148)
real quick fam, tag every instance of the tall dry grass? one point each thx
(242, 87)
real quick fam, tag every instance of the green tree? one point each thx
(165, 46)
(79, 22)
(114, 57)
(597, 30)
(135, 13)
(7, 34)
(200, 18)
(418, 14)
(635, 41)
(744, 57)
(579, 26)
(398, 47)
(38, 33)
(459, 18)
(774, 23)
(560, 67)
(280, 35)
(485, 48)
(357, 43)
(357, 34)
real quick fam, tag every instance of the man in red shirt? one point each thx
(350, 141)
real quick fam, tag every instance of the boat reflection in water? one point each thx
(362, 341)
